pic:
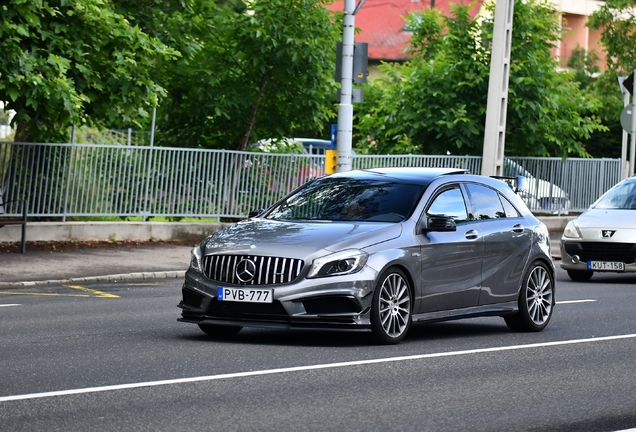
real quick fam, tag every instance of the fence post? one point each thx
(67, 181)
(152, 140)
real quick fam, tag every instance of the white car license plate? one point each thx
(605, 265)
(245, 295)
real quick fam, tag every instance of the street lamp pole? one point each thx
(495, 133)
(345, 108)
(632, 149)
(624, 163)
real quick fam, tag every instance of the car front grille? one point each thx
(600, 251)
(262, 270)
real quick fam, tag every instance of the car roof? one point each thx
(416, 175)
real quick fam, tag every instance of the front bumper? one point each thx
(575, 255)
(333, 303)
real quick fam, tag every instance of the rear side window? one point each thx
(510, 210)
(485, 202)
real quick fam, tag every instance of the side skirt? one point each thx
(500, 309)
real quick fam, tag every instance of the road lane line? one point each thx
(97, 293)
(7, 305)
(574, 301)
(305, 368)
(42, 294)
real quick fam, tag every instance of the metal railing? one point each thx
(64, 180)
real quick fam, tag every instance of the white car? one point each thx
(603, 238)
(541, 196)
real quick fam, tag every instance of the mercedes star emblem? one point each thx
(245, 270)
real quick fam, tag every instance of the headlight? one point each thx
(571, 230)
(195, 259)
(337, 264)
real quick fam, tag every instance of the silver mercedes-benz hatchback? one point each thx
(376, 250)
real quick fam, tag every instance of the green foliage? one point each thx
(66, 61)
(601, 143)
(617, 19)
(436, 103)
(585, 66)
(245, 74)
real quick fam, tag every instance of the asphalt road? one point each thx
(106, 357)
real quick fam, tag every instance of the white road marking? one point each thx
(5, 305)
(575, 301)
(306, 368)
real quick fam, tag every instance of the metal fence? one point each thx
(65, 180)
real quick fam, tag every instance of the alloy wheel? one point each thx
(394, 305)
(539, 295)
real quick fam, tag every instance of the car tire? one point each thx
(391, 311)
(536, 300)
(580, 275)
(220, 331)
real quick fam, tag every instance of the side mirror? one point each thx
(255, 213)
(522, 184)
(439, 224)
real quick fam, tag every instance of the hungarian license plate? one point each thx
(247, 295)
(606, 265)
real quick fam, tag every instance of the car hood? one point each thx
(297, 240)
(607, 218)
(592, 221)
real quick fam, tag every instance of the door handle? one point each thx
(518, 228)
(471, 234)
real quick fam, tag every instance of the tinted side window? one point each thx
(449, 203)
(485, 202)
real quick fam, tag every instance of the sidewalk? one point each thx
(92, 262)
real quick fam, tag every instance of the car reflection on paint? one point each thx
(376, 250)
(603, 238)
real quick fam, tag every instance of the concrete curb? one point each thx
(126, 277)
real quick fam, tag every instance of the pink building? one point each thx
(575, 13)
(381, 24)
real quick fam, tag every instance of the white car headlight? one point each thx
(195, 259)
(571, 230)
(337, 264)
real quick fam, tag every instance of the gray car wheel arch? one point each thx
(536, 299)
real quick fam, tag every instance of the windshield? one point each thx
(348, 199)
(620, 197)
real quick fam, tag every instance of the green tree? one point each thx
(436, 103)
(66, 61)
(246, 73)
(585, 66)
(617, 21)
